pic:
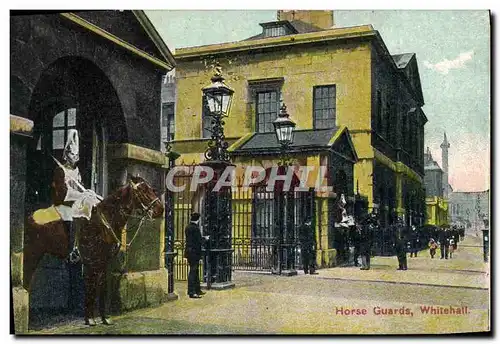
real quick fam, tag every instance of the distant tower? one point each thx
(444, 154)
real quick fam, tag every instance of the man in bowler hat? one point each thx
(193, 255)
(308, 247)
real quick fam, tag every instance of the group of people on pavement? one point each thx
(195, 241)
(361, 234)
(447, 241)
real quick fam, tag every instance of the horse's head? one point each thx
(144, 198)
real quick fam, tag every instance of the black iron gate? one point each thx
(265, 228)
(184, 202)
(265, 225)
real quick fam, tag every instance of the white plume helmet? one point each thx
(72, 147)
(342, 200)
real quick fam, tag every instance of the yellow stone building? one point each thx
(437, 211)
(357, 109)
(436, 201)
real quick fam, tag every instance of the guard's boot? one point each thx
(90, 322)
(106, 321)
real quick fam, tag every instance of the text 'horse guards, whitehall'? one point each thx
(98, 240)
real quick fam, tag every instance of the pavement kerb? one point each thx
(404, 283)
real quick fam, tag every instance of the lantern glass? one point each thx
(284, 131)
(218, 99)
(226, 102)
(211, 103)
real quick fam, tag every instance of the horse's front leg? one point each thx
(102, 292)
(90, 295)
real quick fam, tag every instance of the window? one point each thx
(275, 31)
(379, 112)
(417, 130)
(414, 136)
(206, 120)
(387, 119)
(168, 122)
(267, 106)
(394, 121)
(324, 100)
(61, 123)
(404, 128)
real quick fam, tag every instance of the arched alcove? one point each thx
(71, 93)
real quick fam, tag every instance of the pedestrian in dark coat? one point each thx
(308, 247)
(456, 238)
(356, 242)
(443, 242)
(462, 232)
(400, 245)
(414, 241)
(193, 255)
(366, 240)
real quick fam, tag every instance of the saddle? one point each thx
(47, 215)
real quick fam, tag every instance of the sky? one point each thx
(452, 49)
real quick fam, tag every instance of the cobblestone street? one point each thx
(304, 304)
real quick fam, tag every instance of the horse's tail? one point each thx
(29, 260)
(35, 246)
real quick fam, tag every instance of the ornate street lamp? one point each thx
(217, 204)
(218, 94)
(285, 129)
(219, 97)
(284, 262)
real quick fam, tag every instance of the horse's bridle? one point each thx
(146, 209)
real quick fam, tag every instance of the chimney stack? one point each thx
(322, 19)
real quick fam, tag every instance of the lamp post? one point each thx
(486, 239)
(170, 254)
(217, 205)
(285, 260)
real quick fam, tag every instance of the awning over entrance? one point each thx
(309, 141)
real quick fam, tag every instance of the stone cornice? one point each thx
(397, 167)
(130, 151)
(103, 33)
(364, 31)
(21, 126)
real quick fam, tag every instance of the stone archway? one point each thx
(71, 93)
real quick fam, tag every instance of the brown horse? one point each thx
(98, 239)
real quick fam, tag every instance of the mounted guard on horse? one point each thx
(72, 200)
(100, 222)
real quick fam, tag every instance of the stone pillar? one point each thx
(400, 207)
(139, 277)
(21, 132)
(324, 221)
